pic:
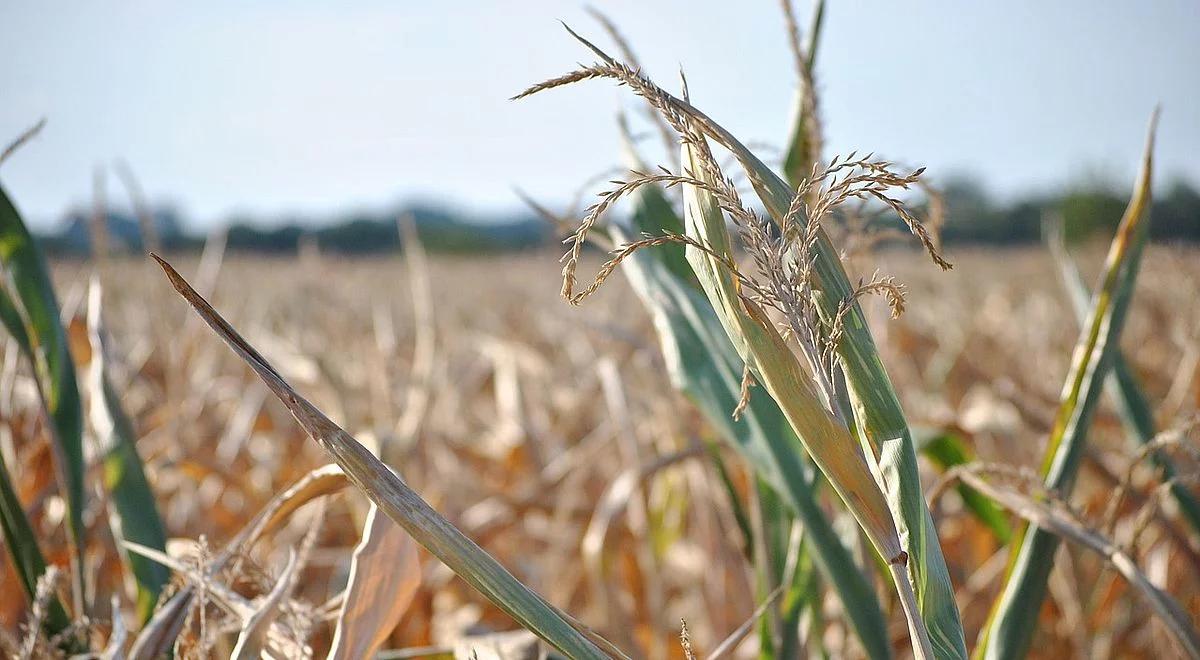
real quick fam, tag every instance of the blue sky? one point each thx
(270, 108)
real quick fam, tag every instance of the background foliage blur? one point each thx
(973, 216)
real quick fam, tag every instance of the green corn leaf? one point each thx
(774, 531)
(804, 144)
(803, 597)
(134, 515)
(759, 345)
(705, 366)
(787, 563)
(11, 318)
(29, 311)
(1123, 385)
(403, 505)
(1013, 619)
(947, 450)
(803, 594)
(740, 516)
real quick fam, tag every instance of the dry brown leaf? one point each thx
(384, 576)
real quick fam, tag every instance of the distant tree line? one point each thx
(439, 230)
(972, 216)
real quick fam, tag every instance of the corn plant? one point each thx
(826, 400)
(29, 311)
(800, 280)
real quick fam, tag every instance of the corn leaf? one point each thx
(384, 576)
(759, 345)
(654, 215)
(134, 514)
(389, 492)
(784, 564)
(947, 451)
(1013, 619)
(803, 597)
(1122, 384)
(878, 418)
(1055, 520)
(29, 311)
(740, 515)
(804, 143)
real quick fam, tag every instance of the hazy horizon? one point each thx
(272, 111)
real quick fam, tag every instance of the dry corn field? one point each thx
(740, 417)
(552, 436)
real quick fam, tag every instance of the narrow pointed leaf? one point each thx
(774, 365)
(654, 215)
(804, 144)
(403, 505)
(29, 311)
(1053, 520)
(1122, 384)
(947, 450)
(878, 417)
(133, 513)
(1013, 619)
